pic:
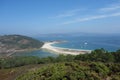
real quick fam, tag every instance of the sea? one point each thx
(85, 42)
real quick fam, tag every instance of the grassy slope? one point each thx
(63, 71)
(12, 73)
(73, 71)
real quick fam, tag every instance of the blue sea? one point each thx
(87, 42)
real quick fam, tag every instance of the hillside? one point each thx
(14, 43)
(99, 65)
(74, 71)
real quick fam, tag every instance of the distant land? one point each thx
(75, 34)
(10, 44)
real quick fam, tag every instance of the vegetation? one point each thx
(98, 65)
(99, 55)
(14, 43)
(72, 71)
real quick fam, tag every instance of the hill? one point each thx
(74, 71)
(99, 65)
(15, 43)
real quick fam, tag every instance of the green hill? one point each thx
(74, 71)
(98, 65)
(14, 43)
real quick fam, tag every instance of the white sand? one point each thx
(48, 46)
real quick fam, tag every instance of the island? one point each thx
(10, 44)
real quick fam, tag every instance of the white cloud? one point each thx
(68, 13)
(74, 11)
(111, 7)
(91, 18)
(64, 15)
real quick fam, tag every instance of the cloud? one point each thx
(68, 13)
(64, 15)
(91, 18)
(74, 11)
(111, 7)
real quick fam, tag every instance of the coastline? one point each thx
(58, 50)
(23, 50)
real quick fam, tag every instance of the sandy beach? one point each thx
(58, 50)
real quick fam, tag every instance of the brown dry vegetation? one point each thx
(12, 73)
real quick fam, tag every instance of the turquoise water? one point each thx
(91, 44)
(108, 42)
(38, 53)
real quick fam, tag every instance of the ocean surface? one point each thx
(86, 42)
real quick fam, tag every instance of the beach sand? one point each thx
(58, 50)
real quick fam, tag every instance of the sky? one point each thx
(31, 17)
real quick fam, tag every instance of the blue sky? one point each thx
(32, 17)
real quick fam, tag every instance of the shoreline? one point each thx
(58, 50)
(15, 51)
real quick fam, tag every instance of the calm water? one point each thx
(39, 53)
(108, 42)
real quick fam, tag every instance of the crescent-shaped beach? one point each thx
(58, 50)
